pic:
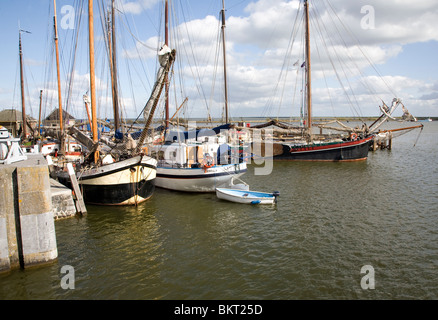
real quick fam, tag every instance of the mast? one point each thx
(39, 114)
(114, 69)
(92, 73)
(23, 105)
(308, 73)
(225, 61)
(166, 42)
(61, 122)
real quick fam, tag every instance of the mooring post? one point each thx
(374, 144)
(390, 141)
(80, 205)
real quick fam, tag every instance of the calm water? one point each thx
(331, 219)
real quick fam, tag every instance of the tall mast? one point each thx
(39, 114)
(166, 42)
(61, 122)
(308, 73)
(225, 61)
(92, 73)
(23, 105)
(110, 60)
(114, 69)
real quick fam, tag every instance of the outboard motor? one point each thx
(276, 194)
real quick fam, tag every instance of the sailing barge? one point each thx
(301, 142)
(121, 174)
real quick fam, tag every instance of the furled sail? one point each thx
(407, 116)
(165, 57)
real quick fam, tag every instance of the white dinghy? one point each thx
(246, 196)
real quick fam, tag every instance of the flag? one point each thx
(304, 63)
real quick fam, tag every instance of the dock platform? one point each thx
(62, 200)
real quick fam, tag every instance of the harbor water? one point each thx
(331, 220)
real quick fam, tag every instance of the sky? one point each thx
(379, 50)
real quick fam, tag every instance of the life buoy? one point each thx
(353, 136)
(207, 162)
(159, 140)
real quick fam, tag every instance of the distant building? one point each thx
(13, 119)
(52, 120)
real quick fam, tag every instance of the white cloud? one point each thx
(257, 43)
(142, 50)
(136, 7)
(395, 21)
(269, 23)
(429, 92)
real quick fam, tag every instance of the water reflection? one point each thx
(331, 219)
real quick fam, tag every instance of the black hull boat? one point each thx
(120, 174)
(126, 182)
(286, 141)
(352, 150)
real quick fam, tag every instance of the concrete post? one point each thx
(26, 218)
(8, 236)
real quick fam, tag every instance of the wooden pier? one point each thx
(382, 142)
(383, 139)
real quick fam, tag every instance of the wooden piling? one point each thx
(80, 205)
(374, 144)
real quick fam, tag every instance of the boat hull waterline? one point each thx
(333, 151)
(126, 182)
(245, 196)
(199, 179)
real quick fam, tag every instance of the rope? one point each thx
(418, 137)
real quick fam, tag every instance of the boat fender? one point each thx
(255, 202)
(354, 136)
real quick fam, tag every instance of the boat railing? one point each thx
(177, 165)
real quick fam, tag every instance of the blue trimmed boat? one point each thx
(246, 196)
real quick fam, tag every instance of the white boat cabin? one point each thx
(182, 155)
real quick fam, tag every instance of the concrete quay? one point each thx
(29, 204)
(62, 201)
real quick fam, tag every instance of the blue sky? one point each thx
(399, 36)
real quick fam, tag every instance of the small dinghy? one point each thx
(246, 196)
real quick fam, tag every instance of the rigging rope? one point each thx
(341, 63)
(363, 53)
(286, 62)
